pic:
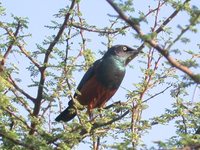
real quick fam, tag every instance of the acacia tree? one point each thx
(28, 108)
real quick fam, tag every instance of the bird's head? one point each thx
(123, 52)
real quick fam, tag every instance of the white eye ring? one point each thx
(124, 48)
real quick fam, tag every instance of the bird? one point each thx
(101, 80)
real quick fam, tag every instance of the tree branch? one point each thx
(42, 69)
(101, 31)
(20, 90)
(144, 101)
(11, 43)
(170, 18)
(20, 46)
(59, 34)
(22, 101)
(17, 117)
(135, 25)
(154, 10)
(16, 141)
(84, 133)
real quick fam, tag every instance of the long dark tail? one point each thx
(68, 114)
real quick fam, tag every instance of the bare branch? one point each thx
(81, 31)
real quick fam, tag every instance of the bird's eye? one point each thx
(124, 48)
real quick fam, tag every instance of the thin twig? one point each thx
(153, 10)
(194, 93)
(144, 101)
(81, 30)
(101, 31)
(169, 18)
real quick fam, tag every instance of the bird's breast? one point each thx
(110, 73)
(94, 94)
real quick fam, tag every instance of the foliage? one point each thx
(167, 67)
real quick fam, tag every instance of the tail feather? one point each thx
(68, 114)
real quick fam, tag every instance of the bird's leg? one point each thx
(113, 104)
(91, 116)
(100, 112)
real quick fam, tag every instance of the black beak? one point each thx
(133, 53)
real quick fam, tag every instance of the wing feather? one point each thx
(88, 75)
